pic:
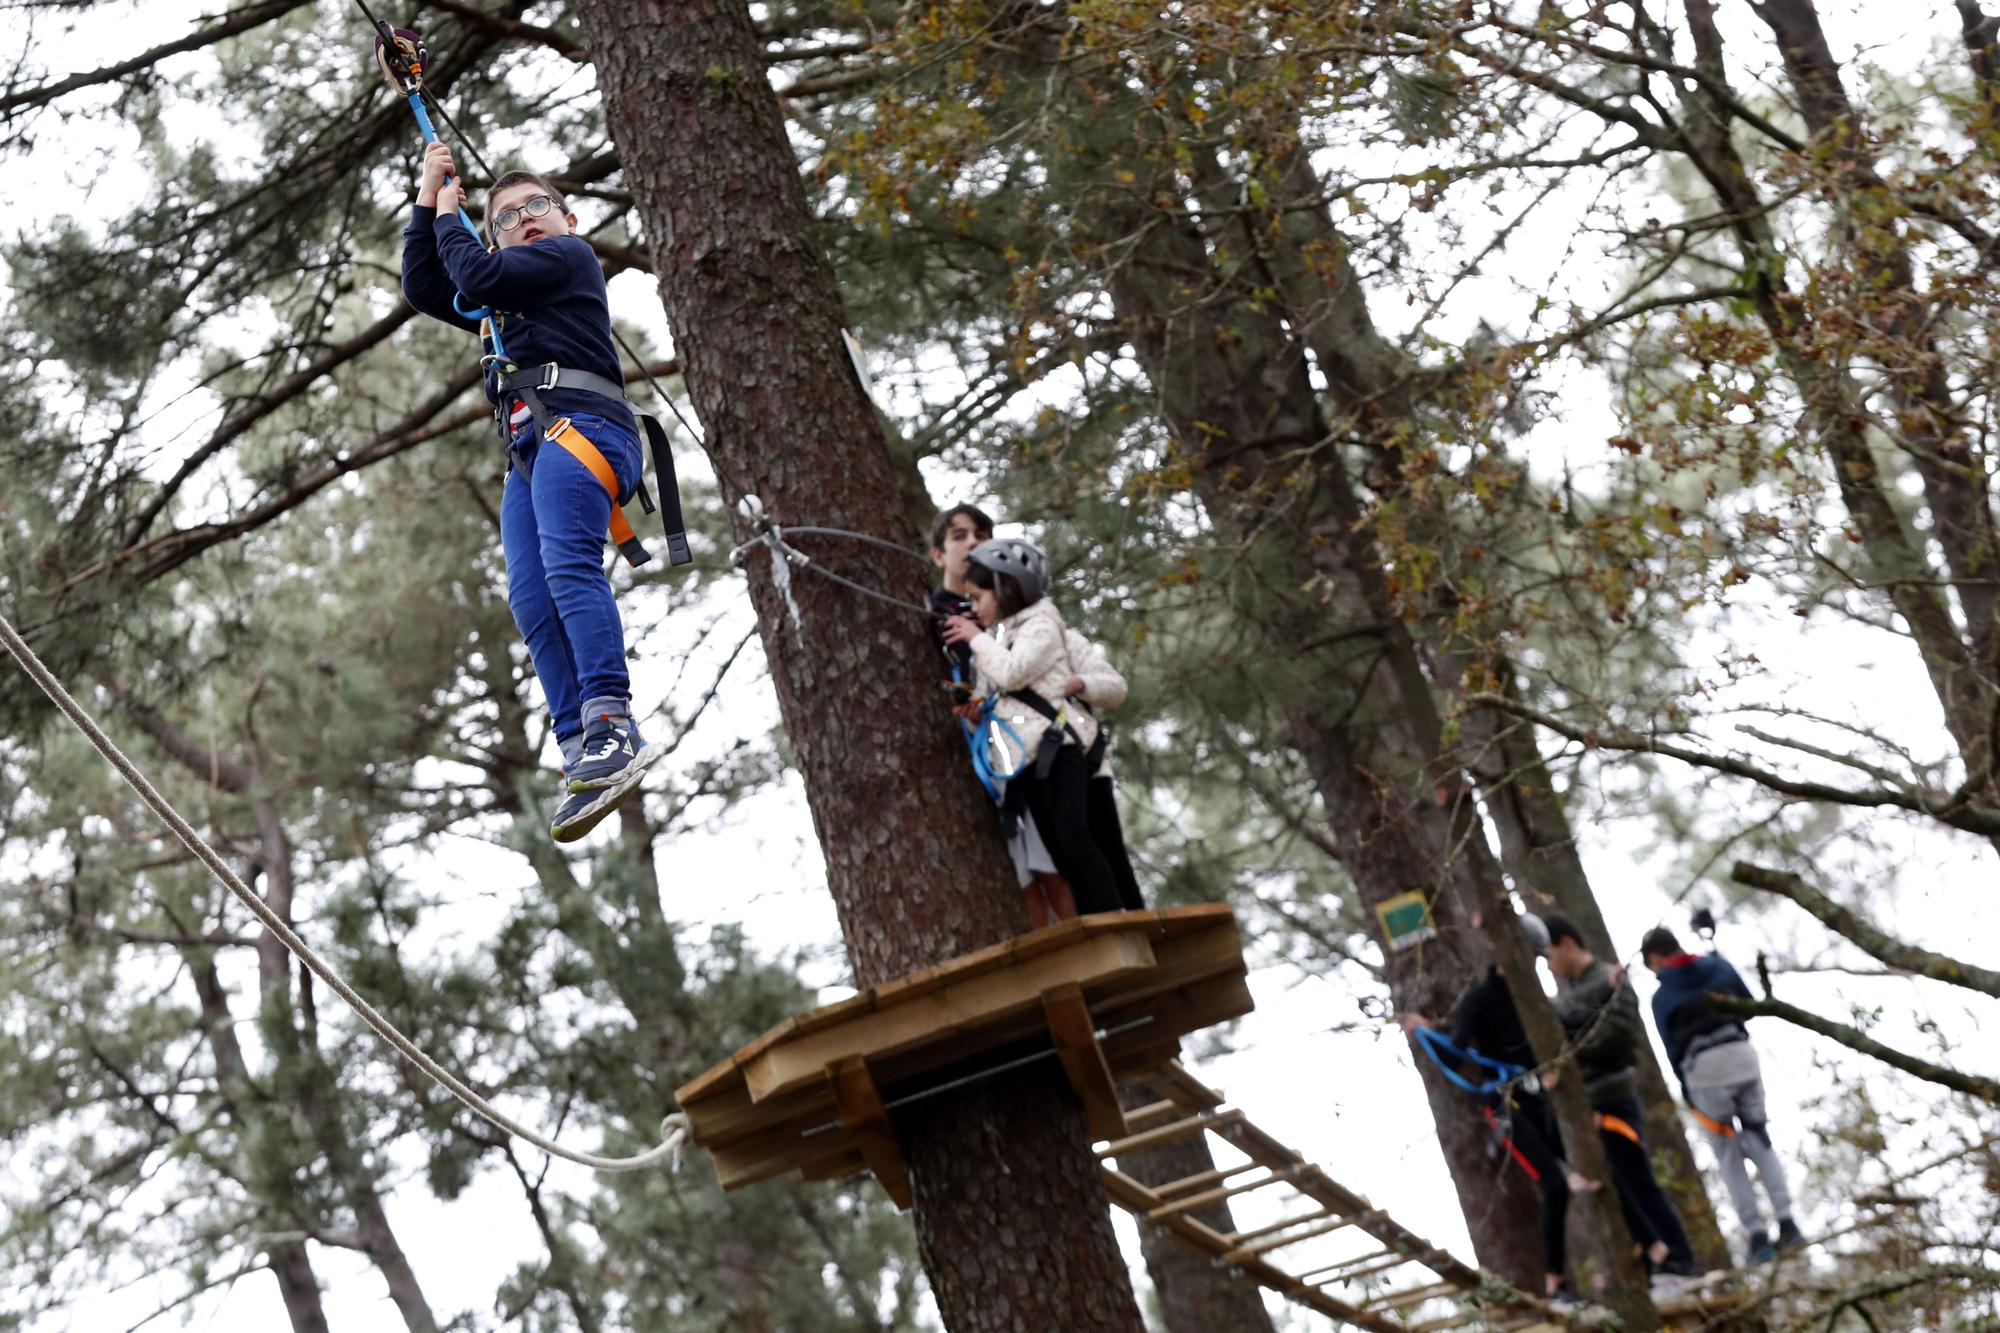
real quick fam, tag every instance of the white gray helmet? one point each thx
(1537, 932)
(1021, 561)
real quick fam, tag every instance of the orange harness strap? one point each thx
(579, 446)
(1613, 1125)
(1711, 1125)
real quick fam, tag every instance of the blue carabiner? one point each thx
(981, 742)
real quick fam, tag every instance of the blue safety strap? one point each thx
(431, 136)
(979, 740)
(1440, 1048)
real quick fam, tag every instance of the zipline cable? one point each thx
(674, 1130)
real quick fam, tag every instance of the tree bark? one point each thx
(1010, 1216)
(1233, 388)
(1538, 847)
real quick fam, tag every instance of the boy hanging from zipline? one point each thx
(573, 452)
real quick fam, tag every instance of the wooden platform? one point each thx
(1107, 995)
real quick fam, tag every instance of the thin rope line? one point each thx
(674, 1130)
(917, 556)
(772, 537)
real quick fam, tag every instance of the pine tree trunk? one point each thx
(1232, 385)
(1196, 1293)
(1010, 1216)
(1538, 847)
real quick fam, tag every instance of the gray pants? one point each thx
(1739, 1109)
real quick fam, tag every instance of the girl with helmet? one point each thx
(1042, 679)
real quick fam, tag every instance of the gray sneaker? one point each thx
(578, 812)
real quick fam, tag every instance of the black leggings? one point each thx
(1531, 1127)
(1060, 803)
(1649, 1215)
(1109, 835)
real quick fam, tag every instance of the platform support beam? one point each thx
(859, 1104)
(1074, 1034)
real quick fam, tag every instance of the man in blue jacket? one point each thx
(573, 446)
(1712, 1056)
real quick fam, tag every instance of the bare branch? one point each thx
(1946, 808)
(1855, 1039)
(243, 20)
(1871, 940)
(264, 405)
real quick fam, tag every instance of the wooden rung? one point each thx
(1415, 1296)
(1175, 1188)
(1484, 1317)
(1277, 1242)
(1207, 1197)
(1386, 1262)
(1355, 1261)
(1150, 1111)
(1242, 1236)
(1179, 1129)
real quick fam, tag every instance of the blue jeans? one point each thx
(553, 532)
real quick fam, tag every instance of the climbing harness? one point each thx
(400, 54)
(1442, 1049)
(1711, 1124)
(673, 1129)
(1501, 1130)
(528, 386)
(1611, 1124)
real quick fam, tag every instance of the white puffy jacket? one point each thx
(1034, 650)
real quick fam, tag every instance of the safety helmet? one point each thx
(1021, 561)
(1537, 932)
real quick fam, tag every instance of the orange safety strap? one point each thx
(1614, 1125)
(1713, 1126)
(579, 446)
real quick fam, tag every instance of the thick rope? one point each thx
(674, 1130)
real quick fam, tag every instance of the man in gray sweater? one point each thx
(1601, 1017)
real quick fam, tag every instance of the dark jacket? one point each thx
(1485, 1020)
(1687, 1020)
(944, 604)
(1606, 1033)
(550, 297)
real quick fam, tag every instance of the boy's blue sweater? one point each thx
(551, 293)
(1681, 1007)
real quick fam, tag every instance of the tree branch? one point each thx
(1855, 1039)
(1871, 940)
(263, 406)
(1946, 809)
(243, 20)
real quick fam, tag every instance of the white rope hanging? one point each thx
(674, 1130)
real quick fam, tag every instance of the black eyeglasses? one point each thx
(537, 207)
